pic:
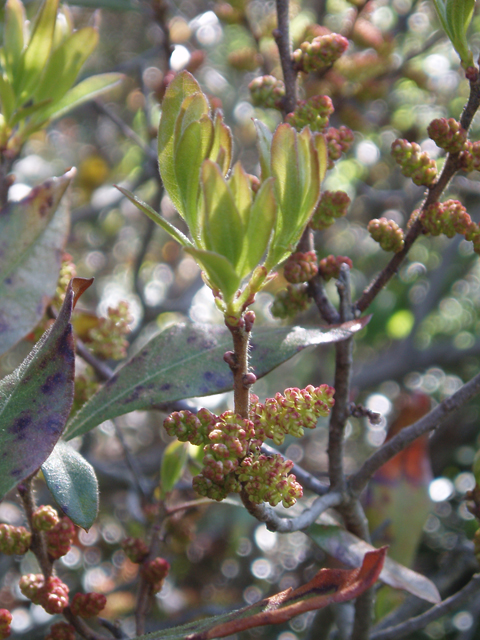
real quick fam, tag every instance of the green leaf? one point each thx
(455, 16)
(80, 93)
(191, 151)
(223, 233)
(73, 484)
(35, 400)
(192, 109)
(156, 217)
(264, 145)
(322, 151)
(220, 272)
(186, 360)
(239, 185)
(7, 98)
(174, 461)
(65, 63)
(221, 151)
(327, 587)
(260, 226)
(13, 36)
(350, 550)
(37, 52)
(183, 85)
(32, 233)
(26, 112)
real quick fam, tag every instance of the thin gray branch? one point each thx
(439, 610)
(306, 479)
(274, 522)
(431, 421)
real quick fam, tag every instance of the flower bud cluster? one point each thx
(51, 594)
(59, 538)
(300, 267)
(5, 622)
(86, 386)
(267, 92)
(135, 549)
(14, 540)
(297, 410)
(332, 205)
(61, 631)
(107, 339)
(88, 605)
(321, 53)
(265, 479)
(450, 217)
(387, 233)
(245, 59)
(414, 163)
(338, 141)
(314, 113)
(155, 572)
(290, 301)
(229, 441)
(470, 157)
(447, 134)
(188, 427)
(329, 267)
(44, 518)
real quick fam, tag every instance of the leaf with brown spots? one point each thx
(327, 587)
(186, 360)
(35, 400)
(33, 232)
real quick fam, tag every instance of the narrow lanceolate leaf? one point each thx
(32, 233)
(220, 272)
(65, 63)
(187, 360)
(73, 484)
(264, 144)
(350, 550)
(78, 95)
(37, 51)
(13, 36)
(329, 586)
(221, 151)
(183, 85)
(260, 226)
(223, 226)
(35, 400)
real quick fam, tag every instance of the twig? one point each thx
(82, 627)
(103, 371)
(38, 545)
(127, 131)
(141, 482)
(431, 421)
(439, 610)
(282, 38)
(326, 309)
(434, 192)
(114, 629)
(306, 479)
(343, 366)
(274, 522)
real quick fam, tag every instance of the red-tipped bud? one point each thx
(155, 573)
(321, 53)
(301, 267)
(59, 539)
(414, 163)
(329, 267)
(45, 518)
(88, 605)
(332, 205)
(447, 134)
(267, 92)
(135, 549)
(387, 233)
(5, 622)
(14, 540)
(290, 301)
(61, 631)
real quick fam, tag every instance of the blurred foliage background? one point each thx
(399, 73)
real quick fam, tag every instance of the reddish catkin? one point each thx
(61, 631)
(14, 540)
(59, 539)
(45, 518)
(300, 267)
(135, 549)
